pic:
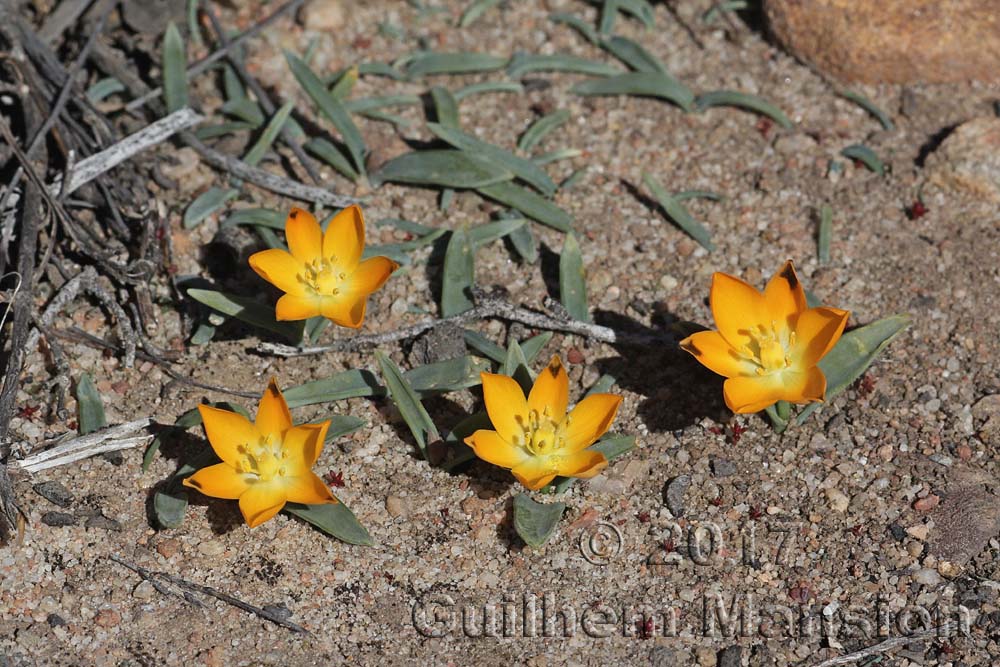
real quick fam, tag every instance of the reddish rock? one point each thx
(893, 41)
(926, 503)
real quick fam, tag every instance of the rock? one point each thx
(918, 531)
(967, 519)
(705, 656)
(926, 503)
(445, 341)
(54, 492)
(144, 591)
(838, 501)
(211, 548)
(986, 414)
(927, 577)
(103, 522)
(676, 488)
(731, 656)
(323, 15)
(894, 41)
(58, 519)
(107, 618)
(395, 506)
(662, 656)
(168, 547)
(55, 620)
(968, 160)
(723, 467)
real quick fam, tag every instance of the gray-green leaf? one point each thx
(207, 203)
(732, 98)
(249, 311)
(676, 211)
(458, 276)
(408, 403)
(572, 281)
(532, 205)
(333, 519)
(174, 69)
(445, 168)
(535, 522)
(90, 407)
(652, 84)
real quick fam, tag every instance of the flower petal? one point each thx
(304, 236)
(295, 307)
(817, 330)
(345, 310)
(713, 352)
(345, 237)
(227, 432)
(370, 275)
(262, 501)
(219, 481)
(752, 394)
(736, 307)
(784, 296)
(278, 268)
(273, 417)
(505, 404)
(490, 447)
(303, 443)
(308, 489)
(583, 464)
(550, 393)
(589, 420)
(536, 472)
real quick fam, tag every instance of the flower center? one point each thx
(541, 434)
(266, 460)
(768, 348)
(323, 275)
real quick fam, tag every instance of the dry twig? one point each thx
(98, 442)
(943, 630)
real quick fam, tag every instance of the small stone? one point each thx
(54, 492)
(575, 356)
(968, 160)
(705, 656)
(58, 519)
(731, 656)
(838, 501)
(723, 467)
(323, 15)
(927, 577)
(663, 656)
(168, 547)
(279, 611)
(211, 548)
(612, 486)
(144, 591)
(964, 452)
(395, 506)
(898, 532)
(926, 503)
(107, 618)
(55, 621)
(102, 522)
(676, 488)
(443, 342)
(919, 531)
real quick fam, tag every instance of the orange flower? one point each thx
(767, 344)
(324, 273)
(264, 464)
(534, 437)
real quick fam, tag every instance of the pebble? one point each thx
(168, 547)
(395, 506)
(103, 522)
(838, 501)
(731, 656)
(919, 531)
(927, 577)
(144, 591)
(58, 519)
(54, 492)
(723, 467)
(676, 488)
(705, 656)
(211, 548)
(55, 620)
(107, 618)
(926, 503)
(323, 15)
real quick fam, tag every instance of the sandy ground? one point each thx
(819, 520)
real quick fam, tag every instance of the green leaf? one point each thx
(169, 508)
(484, 345)
(245, 109)
(174, 69)
(651, 84)
(329, 153)
(249, 311)
(259, 217)
(578, 24)
(516, 366)
(445, 168)
(332, 108)
(445, 107)
(333, 519)
(408, 403)
(525, 63)
(676, 211)
(698, 194)
(535, 522)
(409, 226)
(722, 7)
(866, 156)
(635, 56)
(526, 170)
(341, 425)
(532, 346)
(487, 87)
(475, 10)
(103, 89)
(346, 384)
(459, 451)
(558, 154)
(492, 231)
(341, 90)
(397, 251)
(732, 98)
(447, 375)
(90, 407)
(825, 232)
(524, 243)
(540, 128)
(380, 69)
(459, 275)
(232, 85)
(207, 203)
(530, 204)
(374, 103)
(853, 354)
(206, 132)
(269, 135)
(453, 63)
(572, 280)
(868, 106)
(640, 9)
(603, 385)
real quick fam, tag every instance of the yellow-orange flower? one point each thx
(768, 344)
(534, 437)
(265, 463)
(324, 273)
